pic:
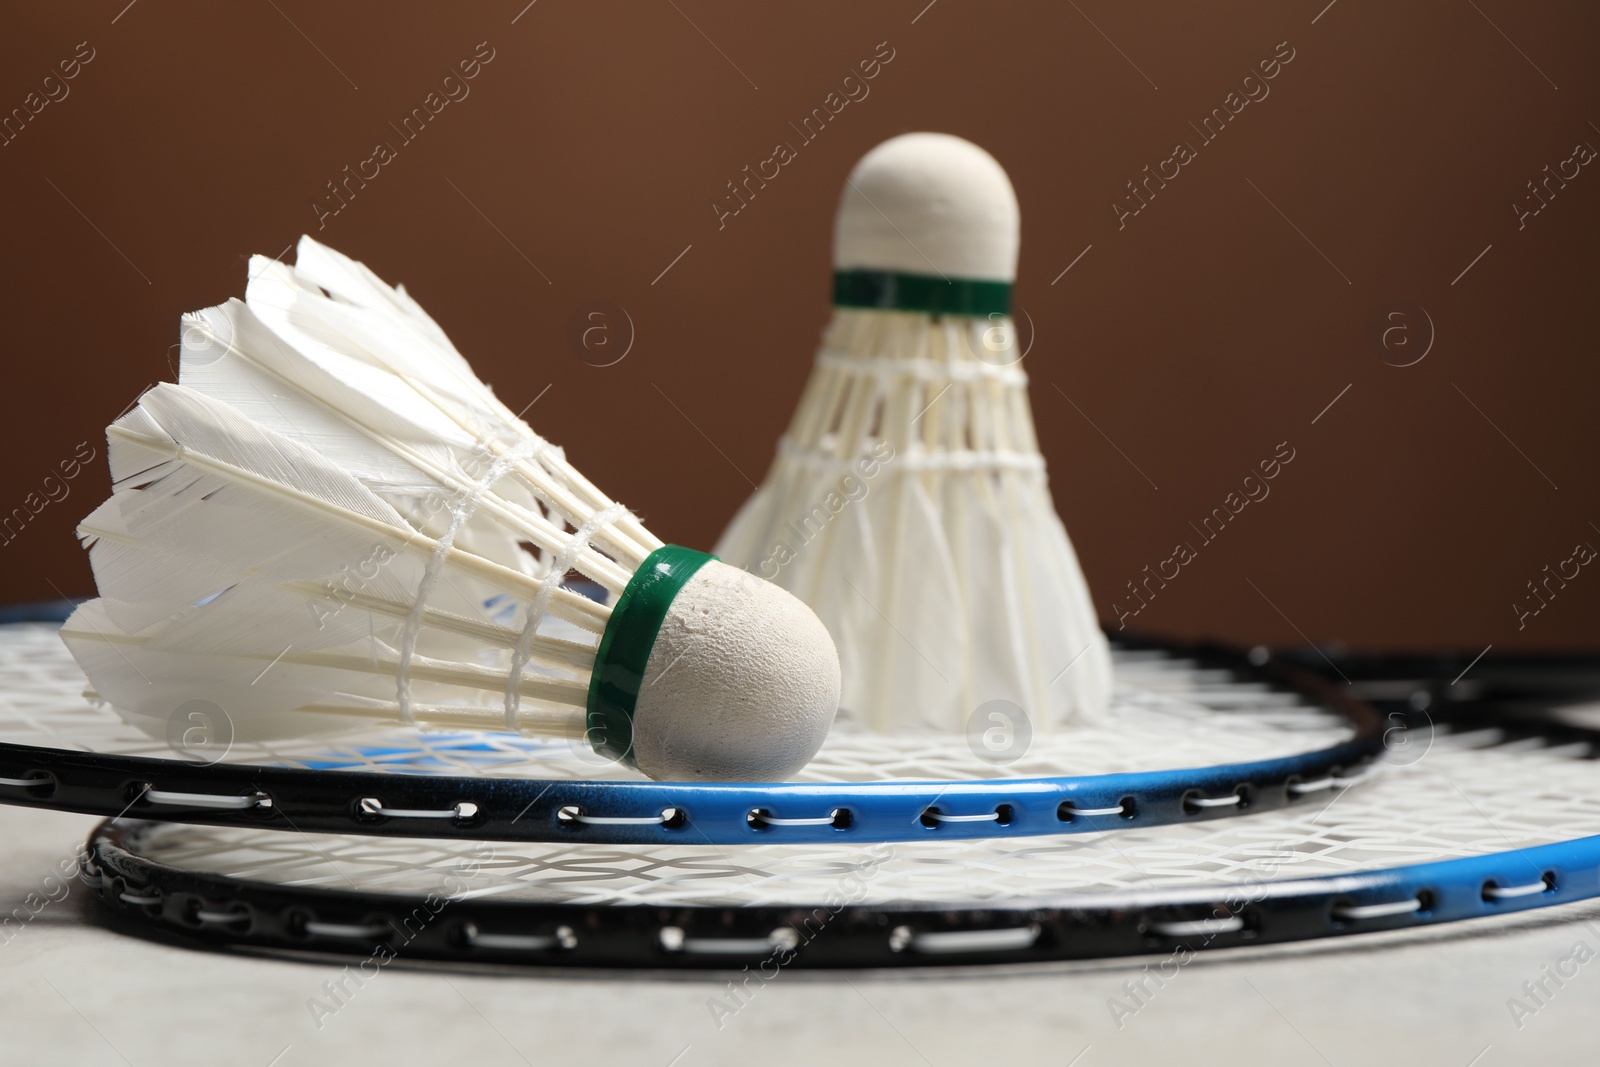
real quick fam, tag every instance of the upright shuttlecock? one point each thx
(330, 520)
(908, 503)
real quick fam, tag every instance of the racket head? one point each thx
(1146, 766)
(467, 918)
(1468, 822)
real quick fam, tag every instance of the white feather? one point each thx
(949, 580)
(327, 521)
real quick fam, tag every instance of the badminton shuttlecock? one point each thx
(331, 520)
(908, 503)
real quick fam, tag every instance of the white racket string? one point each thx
(1167, 712)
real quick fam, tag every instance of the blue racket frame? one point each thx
(644, 812)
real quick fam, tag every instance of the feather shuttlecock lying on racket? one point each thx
(331, 520)
(908, 503)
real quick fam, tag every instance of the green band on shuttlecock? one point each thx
(625, 646)
(891, 291)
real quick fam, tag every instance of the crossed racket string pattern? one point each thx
(1448, 823)
(1160, 698)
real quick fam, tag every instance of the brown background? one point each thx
(1196, 339)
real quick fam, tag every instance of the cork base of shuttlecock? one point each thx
(742, 683)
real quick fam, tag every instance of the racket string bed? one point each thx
(218, 907)
(1291, 874)
(532, 854)
(1272, 745)
(1162, 695)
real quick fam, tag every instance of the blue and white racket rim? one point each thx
(400, 794)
